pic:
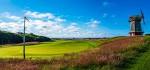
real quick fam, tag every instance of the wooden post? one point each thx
(24, 39)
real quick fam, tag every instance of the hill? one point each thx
(9, 38)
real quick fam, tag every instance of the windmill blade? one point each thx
(142, 15)
(144, 21)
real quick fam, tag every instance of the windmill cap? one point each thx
(135, 18)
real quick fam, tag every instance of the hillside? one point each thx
(111, 55)
(143, 60)
(9, 38)
(123, 53)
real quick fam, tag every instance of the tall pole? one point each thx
(24, 39)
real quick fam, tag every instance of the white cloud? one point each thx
(39, 15)
(74, 24)
(72, 28)
(48, 16)
(9, 16)
(93, 23)
(10, 26)
(49, 25)
(59, 19)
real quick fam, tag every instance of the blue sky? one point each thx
(72, 18)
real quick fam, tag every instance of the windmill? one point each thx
(136, 24)
(24, 39)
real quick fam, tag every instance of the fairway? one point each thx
(46, 49)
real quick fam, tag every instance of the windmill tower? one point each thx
(135, 25)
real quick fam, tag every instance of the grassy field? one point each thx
(47, 49)
(123, 53)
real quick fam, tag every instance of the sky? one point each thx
(72, 18)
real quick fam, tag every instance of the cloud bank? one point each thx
(47, 24)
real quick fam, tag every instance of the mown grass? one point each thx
(47, 49)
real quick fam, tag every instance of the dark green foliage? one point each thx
(6, 37)
(10, 38)
(42, 39)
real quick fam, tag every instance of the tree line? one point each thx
(10, 38)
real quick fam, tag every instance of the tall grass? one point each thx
(110, 55)
(141, 61)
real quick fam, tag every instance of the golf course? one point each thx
(46, 50)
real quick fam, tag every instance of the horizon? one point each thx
(72, 18)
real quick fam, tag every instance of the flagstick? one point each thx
(24, 56)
